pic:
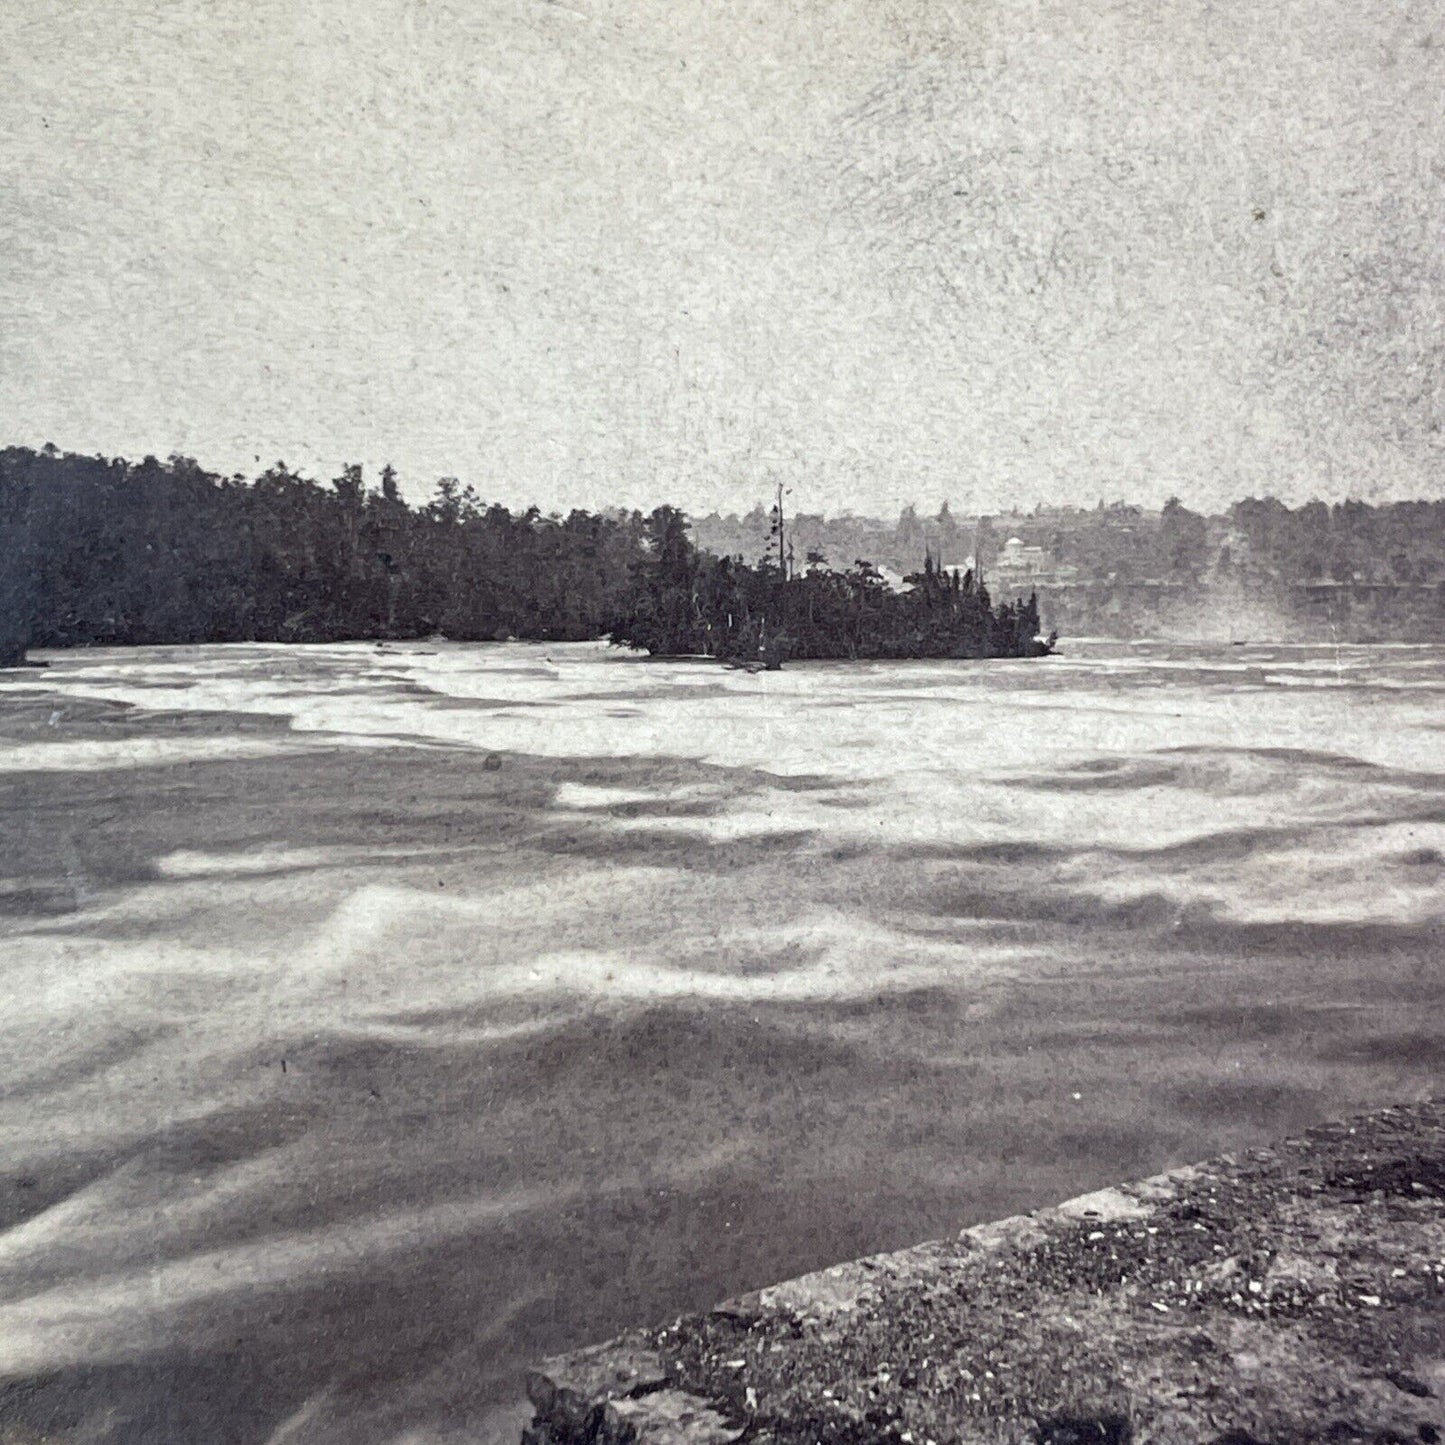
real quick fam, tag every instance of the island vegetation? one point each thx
(96, 550)
(696, 602)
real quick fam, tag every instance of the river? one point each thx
(378, 1018)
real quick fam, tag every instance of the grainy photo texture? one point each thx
(722, 722)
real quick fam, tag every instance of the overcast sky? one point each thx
(594, 251)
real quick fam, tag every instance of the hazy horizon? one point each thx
(588, 254)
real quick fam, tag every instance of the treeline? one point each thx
(1399, 543)
(690, 601)
(105, 551)
(1257, 541)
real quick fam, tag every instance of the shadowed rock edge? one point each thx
(1282, 1295)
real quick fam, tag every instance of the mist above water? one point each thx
(345, 1069)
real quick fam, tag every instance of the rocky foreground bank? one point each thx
(1288, 1295)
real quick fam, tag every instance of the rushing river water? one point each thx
(378, 1018)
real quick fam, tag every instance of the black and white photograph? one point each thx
(722, 722)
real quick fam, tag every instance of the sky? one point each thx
(585, 253)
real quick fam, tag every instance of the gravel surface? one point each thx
(1287, 1295)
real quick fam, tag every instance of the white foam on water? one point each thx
(589, 797)
(191, 863)
(118, 753)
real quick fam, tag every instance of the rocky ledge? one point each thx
(1285, 1295)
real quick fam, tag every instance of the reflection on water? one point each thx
(381, 1017)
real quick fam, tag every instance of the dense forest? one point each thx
(104, 551)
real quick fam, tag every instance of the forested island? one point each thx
(96, 550)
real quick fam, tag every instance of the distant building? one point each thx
(1020, 565)
(1017, 559)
